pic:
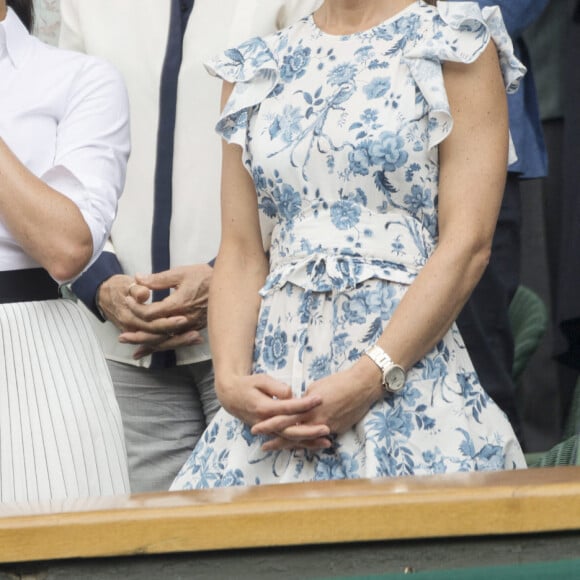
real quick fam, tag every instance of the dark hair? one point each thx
(432, 2)
(24, 10)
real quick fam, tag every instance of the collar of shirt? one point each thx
(15, 40)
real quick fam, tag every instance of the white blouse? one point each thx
(65, 115)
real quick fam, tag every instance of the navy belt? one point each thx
(27, 286)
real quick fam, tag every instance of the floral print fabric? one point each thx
(340, 134)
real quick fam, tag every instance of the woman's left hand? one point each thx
(346, 398)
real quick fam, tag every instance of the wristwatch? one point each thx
(393, 374)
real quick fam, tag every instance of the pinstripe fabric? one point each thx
(61, 434)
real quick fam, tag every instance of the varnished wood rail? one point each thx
(446, 506)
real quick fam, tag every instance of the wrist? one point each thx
(224, 382)
(98, 306)
(227, 386)
(370, 377)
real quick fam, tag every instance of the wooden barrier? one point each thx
(540, 503)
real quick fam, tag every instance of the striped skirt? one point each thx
(61, 434)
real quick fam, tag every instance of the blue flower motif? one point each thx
(359, 161)
(378, 88)
(435, 461)
(428, 423)
(342, 74)
(319, 368)
(419, 198)
(294, 64)
(287, 126)
(384, 32)
(275, 349)
(398, 421)
(345, 214)
(364, 53)
(267, 205)
(380, 301)
(490, 458)
(388, 151)
(232, 477)
(408, 26)
(289, 201)
(309, 303)
(340, 466)
(369, 116)
(259, 177)
(429, 456)
(355, 311)
(341, 343)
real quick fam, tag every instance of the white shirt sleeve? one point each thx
(92, 147)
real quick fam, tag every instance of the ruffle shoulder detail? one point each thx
(457, 32)
(253, 69)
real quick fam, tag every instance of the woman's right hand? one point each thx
(255, 398)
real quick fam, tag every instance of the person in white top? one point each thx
(168, 219)
(64, 144)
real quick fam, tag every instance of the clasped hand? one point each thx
(170, 323)
(330, 406)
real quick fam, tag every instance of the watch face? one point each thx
(395, 378)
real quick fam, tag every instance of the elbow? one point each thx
(68, 264)
(480, 259)
(468, 254)
(478, 252)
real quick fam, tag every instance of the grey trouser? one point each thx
(164, 413)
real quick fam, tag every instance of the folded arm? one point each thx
(48, 225)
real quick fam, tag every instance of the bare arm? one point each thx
(46, 224)
(240, 271)
(473, 165)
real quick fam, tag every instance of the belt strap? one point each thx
(27, 286)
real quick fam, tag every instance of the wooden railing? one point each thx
(467, 505)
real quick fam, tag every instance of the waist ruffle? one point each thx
(391, 247)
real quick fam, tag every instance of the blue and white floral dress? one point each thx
(340, 134)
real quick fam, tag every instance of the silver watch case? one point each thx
(394, 375)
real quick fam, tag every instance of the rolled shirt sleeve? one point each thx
(92, 148)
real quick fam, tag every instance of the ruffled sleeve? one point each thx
(458, 32)
(254, 71)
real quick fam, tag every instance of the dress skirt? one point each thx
(61, 434)
(442, 421)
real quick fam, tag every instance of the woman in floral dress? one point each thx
(365, 155)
